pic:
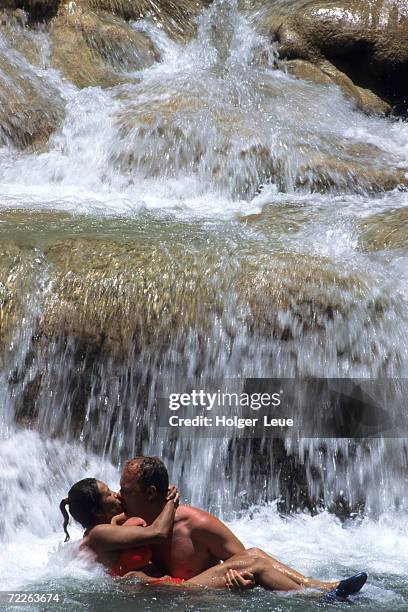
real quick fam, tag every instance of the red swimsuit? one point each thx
(131, 560)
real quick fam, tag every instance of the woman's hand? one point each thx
(119, 519)
(164, 522)
(239, 580)
(173, 495)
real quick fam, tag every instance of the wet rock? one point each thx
(365, 40)
(30, 110)
(386, 230)
(295, 294)
(8, 4)
(19, 37)
(119, 297)
(371, 103)
(176, 18)
(92, 49)
(118, 44)
(364, 99)
(17, 267)
(234, 156)
(324, 73)
(323, 174)
(71, 55)
(307, 71)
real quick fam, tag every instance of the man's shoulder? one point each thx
(196, 518)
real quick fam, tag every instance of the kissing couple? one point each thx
(143, 532)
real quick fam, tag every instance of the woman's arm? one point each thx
(104, 538)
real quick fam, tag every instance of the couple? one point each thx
(142, 531)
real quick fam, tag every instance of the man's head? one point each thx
(143, 486)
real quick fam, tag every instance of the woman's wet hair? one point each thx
(84, 502)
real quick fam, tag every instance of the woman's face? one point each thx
(110, 503)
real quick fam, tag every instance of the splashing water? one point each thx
(200, 219)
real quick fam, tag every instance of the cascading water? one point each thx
(207, 216)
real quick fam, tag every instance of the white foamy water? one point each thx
(36, 480)
(198, 132)
(216, 132)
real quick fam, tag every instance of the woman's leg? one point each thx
(265, 575)
(268, 573)
(297, 577)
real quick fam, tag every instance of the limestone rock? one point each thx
(295, 294)
(322, 174)
(18, 36)
(29, 110)
(307, 71)
(386, 230)
(324, 73)
(92, 49)
(176, 17)
(366, 40)
(17, 265)
(118, 296)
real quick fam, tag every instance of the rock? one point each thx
(324, 73)
(8, 4)
(386, 230)
(91, 49)
(306, 305)
(366, 40)
(118, 44)
(307, 71)
(19, 37)
(364, 99)
(322, 174)
(30, 110)
(17, 268)
(170, 127)
(371, 103)
(149, 134)
(117, 297)
(289, 295)
(71, 55)
(176, 17)
(10, 17)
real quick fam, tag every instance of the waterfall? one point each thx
(204, 215)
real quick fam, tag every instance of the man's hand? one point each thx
(173, 494)
(239, 580)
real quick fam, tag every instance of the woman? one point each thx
(123, 545)
(98, 509)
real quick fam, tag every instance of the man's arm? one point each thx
(219, 540)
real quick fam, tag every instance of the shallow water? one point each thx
(235, 181)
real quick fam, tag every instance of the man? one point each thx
(199, 540)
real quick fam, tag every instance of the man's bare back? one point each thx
(198, 542)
